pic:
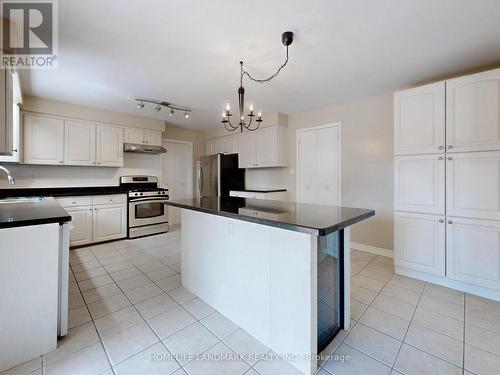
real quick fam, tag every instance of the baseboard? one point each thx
(372, 249)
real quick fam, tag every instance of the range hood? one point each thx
(143, 149)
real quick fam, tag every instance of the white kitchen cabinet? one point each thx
(232, 145)
(81, 219)
(247, 150)
(419, 242)
(210, 147)
(473, 185)
(142, 136)
(419, 120)
(472, 112)
(267, 150)
(109, 222)
(134, 135)
(220, 145)
(152, 138)
(109, 150)
(43, 140)
(419, 183)
(473, 251)
(79, 143)
(263, 148)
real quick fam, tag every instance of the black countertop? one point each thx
(301, 217)
(261, 190)
(62, 191)
(33, 213)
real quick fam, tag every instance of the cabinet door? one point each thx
(109, 222)
(43, 140)
(220, 145)
(473, 251)
(210, 147)
(81, 218)
(473, 185)
(109, 146)
(473, 112)
(307, 165)
(419, 242)
(329, 164)
(419, 184)
(247, 147)
(232, 145)
(79, 143)
(419, 120)
(134, 135)
(152, 138)
(267, 152)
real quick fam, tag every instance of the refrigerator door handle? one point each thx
(200, 180)
(219, 174)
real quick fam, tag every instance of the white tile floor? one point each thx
(129, 314)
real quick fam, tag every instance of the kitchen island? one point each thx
(280, 270)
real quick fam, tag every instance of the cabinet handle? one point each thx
(450, 147)
(450, 222)
(441, 220)
(60, 162)
(441, 147)
(99, 162)
(90, 209)
(15, 150)
(440, 158)
(95, 209)
(450, 158)
(73, 202)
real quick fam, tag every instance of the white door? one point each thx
(109, 146)
(247, 148)
(81, 218)
(473, 185)
(473, 251)
(133, 135)
(319, 165)
(473, 112)
(419, 120)
(267, 153)
(152, 137)
(43, 140)
(109, 222)
(210, 147)
(419, 184)
(177, 174)
(79, 143)
(419, 242)
(220, 145)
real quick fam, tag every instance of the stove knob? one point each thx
(136, 194)
(140, 194)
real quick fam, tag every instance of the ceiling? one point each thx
(188, 52)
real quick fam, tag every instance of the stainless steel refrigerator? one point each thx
(218, 174)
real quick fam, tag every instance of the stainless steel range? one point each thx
(147, 212)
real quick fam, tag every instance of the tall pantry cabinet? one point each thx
(447, 183)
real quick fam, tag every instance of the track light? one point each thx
(140, 105)
(171, 112)
(159, 104)
(186, 114)
(158, 108)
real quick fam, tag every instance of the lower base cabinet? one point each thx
(101, 218)
(473, 251)
(419, 242)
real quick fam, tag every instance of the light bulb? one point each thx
(228, 107)
(171, 112)
(224, 114)
(242, 118)
(260, 114)
(140, 105)
(186, 114)
(251, 107)
(158, 108)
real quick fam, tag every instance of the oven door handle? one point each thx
(148, 199)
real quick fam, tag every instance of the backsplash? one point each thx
(67, 176)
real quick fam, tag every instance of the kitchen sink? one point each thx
(21, 200)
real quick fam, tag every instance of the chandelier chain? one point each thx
(262, 81)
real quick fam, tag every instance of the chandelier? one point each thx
(286, 39)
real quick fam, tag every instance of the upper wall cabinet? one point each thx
(263, 148)
(473, 112)
(10, 98)
(141, 136)
(419, 120)
(79, 143)
(222, 145)
(43, 140)
(109, 150)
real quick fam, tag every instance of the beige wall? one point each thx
(367, 149)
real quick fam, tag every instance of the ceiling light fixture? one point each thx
(286, 39)
(159, 104)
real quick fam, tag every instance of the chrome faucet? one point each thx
(11, 178)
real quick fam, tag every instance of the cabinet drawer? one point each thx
(109, 199)
(75, 201)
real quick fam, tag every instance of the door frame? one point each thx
(311, 128)
(190, 144)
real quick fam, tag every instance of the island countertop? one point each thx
(32, 213)
(313, 219)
